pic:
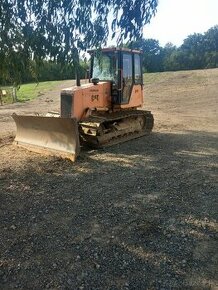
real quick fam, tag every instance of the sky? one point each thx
(176, 19)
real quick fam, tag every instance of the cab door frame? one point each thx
(126, 99)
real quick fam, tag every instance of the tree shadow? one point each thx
(140, 215)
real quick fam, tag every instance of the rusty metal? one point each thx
(49, 135)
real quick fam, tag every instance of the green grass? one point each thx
(30, 91)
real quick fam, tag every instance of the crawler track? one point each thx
(113, 128)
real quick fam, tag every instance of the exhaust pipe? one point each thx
(78, 82)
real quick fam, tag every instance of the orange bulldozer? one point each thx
(103, 112)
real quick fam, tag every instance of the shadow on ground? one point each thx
(141, 215)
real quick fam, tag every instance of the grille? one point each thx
(66, 106)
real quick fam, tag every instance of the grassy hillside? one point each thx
(169, 82)
(183, 97)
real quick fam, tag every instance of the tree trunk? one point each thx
(76, 66)
(14, 94)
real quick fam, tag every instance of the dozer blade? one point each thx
(49, 135)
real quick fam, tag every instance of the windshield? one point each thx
(105, 67)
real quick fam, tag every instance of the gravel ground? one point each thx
(139, 215)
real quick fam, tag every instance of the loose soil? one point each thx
(139, 215)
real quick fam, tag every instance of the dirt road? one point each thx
(141, 215)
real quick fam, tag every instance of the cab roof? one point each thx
(108, 49)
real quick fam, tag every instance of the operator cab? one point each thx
(121, 67)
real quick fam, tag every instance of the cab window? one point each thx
(127, 66)
(105, 67)
(138, 72)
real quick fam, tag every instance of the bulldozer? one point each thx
(105, 111)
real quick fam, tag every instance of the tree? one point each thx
(193, 46)
(58, 29)
(211, 47)
(211, 39)
(151, 53)
(198, 51)
(168, 59)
